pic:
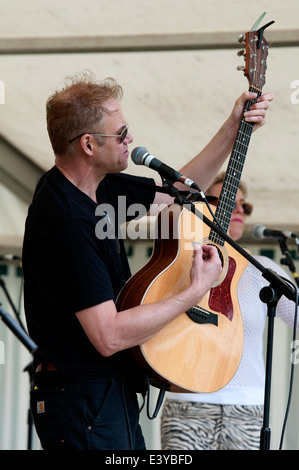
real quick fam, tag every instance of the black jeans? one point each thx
(96, 414)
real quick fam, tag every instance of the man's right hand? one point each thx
(206, 268)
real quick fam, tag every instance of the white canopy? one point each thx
(177, 64)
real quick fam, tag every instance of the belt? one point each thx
(45, 366)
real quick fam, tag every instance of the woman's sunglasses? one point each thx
(246, 206)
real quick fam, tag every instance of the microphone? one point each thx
(259, 232)
(141, 156)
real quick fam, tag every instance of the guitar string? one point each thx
(234, 171)
(232, 179)
(233, 176)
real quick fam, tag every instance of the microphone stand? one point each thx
(287, 260)
(2, 284)
(17, 328)
(19, 331)
(269, 295)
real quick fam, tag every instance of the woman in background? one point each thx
(232, 417)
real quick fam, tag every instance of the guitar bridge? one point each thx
(202, 316)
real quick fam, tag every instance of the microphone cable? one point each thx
(292, 366)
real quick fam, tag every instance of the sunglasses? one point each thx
(246, 206)
(121, 136)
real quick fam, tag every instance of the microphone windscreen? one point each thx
(138, 154)
(258, 232)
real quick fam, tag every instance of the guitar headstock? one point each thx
(255, 56)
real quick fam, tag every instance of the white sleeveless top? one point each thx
(247, 385)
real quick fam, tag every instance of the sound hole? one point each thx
(224, 261)
(220, 256)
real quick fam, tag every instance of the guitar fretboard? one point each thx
(231, 183)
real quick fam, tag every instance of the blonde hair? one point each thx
(77, 109)
(220, 179)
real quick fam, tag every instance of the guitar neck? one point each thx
(232, 179)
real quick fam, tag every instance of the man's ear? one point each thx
(87, 144)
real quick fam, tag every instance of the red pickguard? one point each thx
(220, 296)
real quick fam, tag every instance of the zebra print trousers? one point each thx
(203, 426)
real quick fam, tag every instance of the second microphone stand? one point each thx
(287, 260)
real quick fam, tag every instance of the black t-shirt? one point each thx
(68, 268)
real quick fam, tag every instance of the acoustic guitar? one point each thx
(201, 349)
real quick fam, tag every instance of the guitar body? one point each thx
(193, 353)
(201, 349)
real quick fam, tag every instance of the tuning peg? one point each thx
(241, 38)
(241, 52)
(241, 68)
